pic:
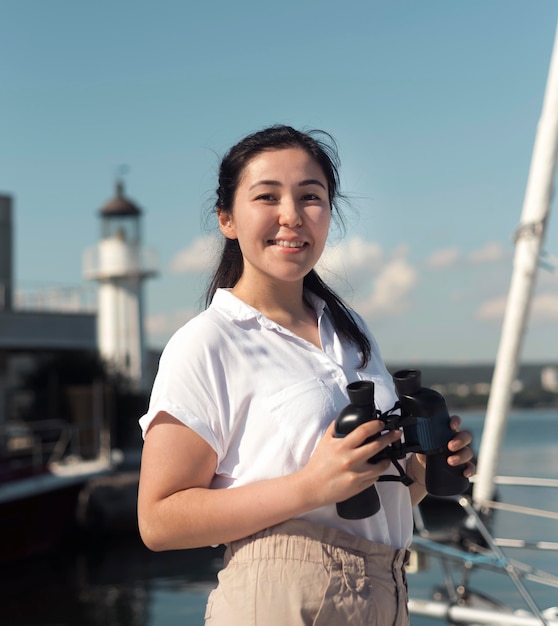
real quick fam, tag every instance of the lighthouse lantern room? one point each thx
(120, 265)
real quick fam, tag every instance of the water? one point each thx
(118, 582)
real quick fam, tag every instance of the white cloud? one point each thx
(492, 309)
(548, 278)
(379, 285)
(447, 257)
(353, 254)
(545, 307)
(458, 295)
(491, 252)
(161, 326)
(198, 257)
(350, 265)
(351, 259)
(390, 290)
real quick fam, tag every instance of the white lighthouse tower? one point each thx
(121, 265)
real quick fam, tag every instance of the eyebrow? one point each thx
(302, 183)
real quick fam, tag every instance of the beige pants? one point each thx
(303, 574)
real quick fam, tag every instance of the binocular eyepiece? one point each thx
(424, 419)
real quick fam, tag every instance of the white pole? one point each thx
(530, 236)
(469, 615)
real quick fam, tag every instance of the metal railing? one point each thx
(486, 554)
(56, 298)
(39, 443)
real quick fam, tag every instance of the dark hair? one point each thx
(231, 263)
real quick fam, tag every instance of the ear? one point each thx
(226, 224)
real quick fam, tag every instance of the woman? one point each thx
(239, 440)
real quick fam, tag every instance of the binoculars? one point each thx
(423, 416)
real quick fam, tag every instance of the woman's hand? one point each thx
(459, 446)
(460, 454)
(339, 467)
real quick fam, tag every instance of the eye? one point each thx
(266, 197)
(310, 197)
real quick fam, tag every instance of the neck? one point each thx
(273, 299)
(284, 304)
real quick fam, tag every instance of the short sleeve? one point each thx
(190, 385)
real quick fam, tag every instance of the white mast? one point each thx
(530, 237)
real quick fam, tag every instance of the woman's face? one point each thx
(280, 216)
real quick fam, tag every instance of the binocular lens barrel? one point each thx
(360, 410)
(433, 432)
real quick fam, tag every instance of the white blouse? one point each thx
(262, 397)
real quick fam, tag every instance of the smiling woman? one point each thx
(239, 438)
(320, 148)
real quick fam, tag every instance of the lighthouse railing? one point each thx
(111, 260)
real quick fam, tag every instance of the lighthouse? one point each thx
(121, 266)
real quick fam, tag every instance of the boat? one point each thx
(469, 544)
(41, 479)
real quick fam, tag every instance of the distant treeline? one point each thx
(467, 386)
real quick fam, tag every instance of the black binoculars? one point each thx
(423, 416)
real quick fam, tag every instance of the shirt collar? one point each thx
(238, 310)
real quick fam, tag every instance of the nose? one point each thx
(290, 212)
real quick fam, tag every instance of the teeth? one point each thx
(288, 244)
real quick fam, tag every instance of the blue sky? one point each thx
(434, 105)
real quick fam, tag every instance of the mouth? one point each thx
(287, 244)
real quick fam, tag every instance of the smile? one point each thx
(287, 244)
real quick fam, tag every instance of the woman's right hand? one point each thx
(339, 467)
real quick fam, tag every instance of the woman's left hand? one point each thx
(459, 447)
(460, 452)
